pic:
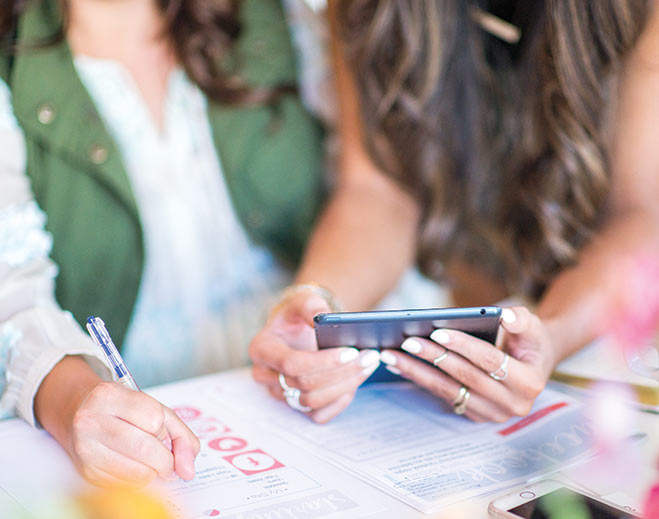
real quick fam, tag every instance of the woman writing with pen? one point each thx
(165, 145)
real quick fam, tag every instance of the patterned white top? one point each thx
(205, 286)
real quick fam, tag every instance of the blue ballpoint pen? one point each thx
(100, 336)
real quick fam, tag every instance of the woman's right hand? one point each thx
(327, 379)
(112, 433)
(122, 435)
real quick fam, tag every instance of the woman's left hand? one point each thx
(522, 366)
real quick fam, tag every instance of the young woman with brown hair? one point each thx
(165, 144)
(510, 148)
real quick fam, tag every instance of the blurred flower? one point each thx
(122, 503)
(633, 323)
(651, 507)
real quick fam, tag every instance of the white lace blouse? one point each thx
(205, 285)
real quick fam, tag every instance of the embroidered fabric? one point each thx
(23, 237)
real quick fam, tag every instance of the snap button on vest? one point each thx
(98, 154)
(45, 113)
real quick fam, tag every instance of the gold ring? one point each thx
(441, 357)
(460, 401)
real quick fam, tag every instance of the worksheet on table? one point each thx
(408, 444)
(243, 471)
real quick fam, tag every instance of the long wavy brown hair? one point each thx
(504, 145)
(202, 33)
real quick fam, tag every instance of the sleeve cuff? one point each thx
(49, 336)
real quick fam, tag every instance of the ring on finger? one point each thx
(292, 395)
(502, 372)
(443, 356)
(460, 401)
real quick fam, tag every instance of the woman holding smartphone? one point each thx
(507, 147)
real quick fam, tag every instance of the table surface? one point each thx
(647, 422)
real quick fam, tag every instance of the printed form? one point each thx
(261, 460)
(245, 472)
(408, 444)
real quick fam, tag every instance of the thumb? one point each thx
(306, 305)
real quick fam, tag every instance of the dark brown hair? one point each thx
(503, 145)
(202, 33)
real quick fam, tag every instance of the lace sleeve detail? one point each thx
(35, 333)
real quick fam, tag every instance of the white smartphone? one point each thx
(551, 498)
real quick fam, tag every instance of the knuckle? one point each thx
(305, 384)
(533, 389)
(290, 366)
(255, 347)
(81, 448)
(312, 400)
(258, 374)
(83, 420)
(492, 359)
(143, 476)
(196, 444)
(102, 392)
(154, 419)
(465, 375)
(440, 388)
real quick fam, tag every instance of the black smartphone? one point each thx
(389, 328)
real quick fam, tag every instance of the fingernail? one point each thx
(395, 371)
(411, 346)
(388, 358)
(508, 316)
(348, 355)
(440, 336)
(367, 372)
(370, 358)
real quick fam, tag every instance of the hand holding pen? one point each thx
(121, 434)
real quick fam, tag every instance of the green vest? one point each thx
(271, 158)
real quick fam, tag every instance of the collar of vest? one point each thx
(53, 106)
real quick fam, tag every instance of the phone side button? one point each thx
(527, 495)
(332, 319)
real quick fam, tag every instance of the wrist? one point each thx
(555, 350)
(313, 288)
(61, 394)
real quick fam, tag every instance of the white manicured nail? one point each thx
(368, 371)
(370, 358)
(348, 355)
(388, 358)
(508, 316)
(395, 371)
(440, 336)
(411, 346)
